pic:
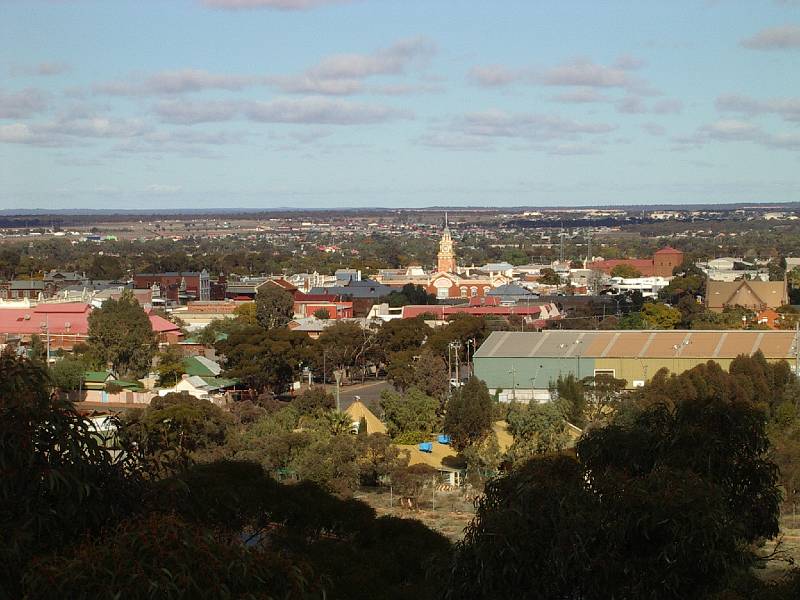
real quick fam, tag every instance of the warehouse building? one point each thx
(522, 365)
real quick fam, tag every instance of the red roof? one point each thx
(668, 250)
(414, 310)
(69, 318)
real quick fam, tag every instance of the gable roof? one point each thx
(357, 410)
(201, 366)
(652, 344)
(768, 294)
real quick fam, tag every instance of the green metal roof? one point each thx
(95, 376)
(193, 366)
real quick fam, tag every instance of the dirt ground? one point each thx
(447, 512)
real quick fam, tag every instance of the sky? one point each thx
(148, 104)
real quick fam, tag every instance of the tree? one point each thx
(313, 401)
(660, 316)
(571, 396)
(322, 313)
(58, 480)
(103, 266)
(410, 418)
(548, 276)
(120, 334)
(346, 345)
(625, 271)
(398, 335)
(664, 503)
(274, 306)
(602, 395)
(170, 366)
(67, 374)
(246, 314)
(265, 360)
(469, 414)
(537, 429)
(411, 294)
(425, 371)
(377, 457)
(174, 431)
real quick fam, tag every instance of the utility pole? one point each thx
(337, 374)
(513, 373)
(797, 349)
(588, 246)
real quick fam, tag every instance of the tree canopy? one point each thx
(120, 334)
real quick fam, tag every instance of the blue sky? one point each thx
(347, 103)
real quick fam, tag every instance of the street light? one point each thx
(337, 375)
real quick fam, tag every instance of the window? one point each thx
(473, 291)
(463, 292)
(610, 372)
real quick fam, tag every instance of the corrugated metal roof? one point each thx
(641, 344)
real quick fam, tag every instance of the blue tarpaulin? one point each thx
(444, 439)
(426, 447)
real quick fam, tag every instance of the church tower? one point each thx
(447, 257)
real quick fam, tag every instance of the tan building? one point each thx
(753, 295)
(521, 366)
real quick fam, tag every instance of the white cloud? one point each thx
(784, 37)
(177, 82)
(787, 108)
(71, 131)
(654, 128)
(454, 141)
(585, 73)
(579, 72)
(320, 111)
(190, 113)
(497, 123)
(580, 96)
(342, 74)
(17, 105)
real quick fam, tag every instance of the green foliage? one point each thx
(170, 366)
(246, 313)
(413, 413)
(174, 431)
(377, 457)
(57, 479)
(548, 276)
(322, 313)
(469, 414)
(663, 504)
(423, 370)
(571, 399)
(537, 429)
(67, 374)
(411, 294)
(265, 360)
(399, 335)
(274, 306)
(346, 345)
(660, 316)
(120, 333)
(625, 271)
(166, 552)
(314, 400)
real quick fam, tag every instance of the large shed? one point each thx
(522, 365)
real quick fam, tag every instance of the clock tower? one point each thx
(446, 257)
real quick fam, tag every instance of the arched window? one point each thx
(473, 291)
(463, 291)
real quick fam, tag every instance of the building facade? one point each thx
(523, 366)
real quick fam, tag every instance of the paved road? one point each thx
(369, 392)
